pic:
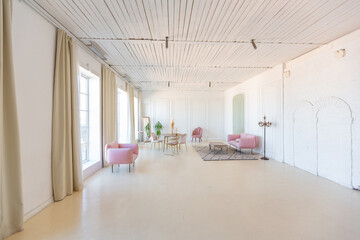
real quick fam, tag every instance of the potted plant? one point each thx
(147, 130)
(158, 127)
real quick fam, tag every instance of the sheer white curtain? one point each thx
(65, 152)
(11, 203)
(131, 125)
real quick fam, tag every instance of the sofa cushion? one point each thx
(113, 144)
(242, 141)
(234, 143)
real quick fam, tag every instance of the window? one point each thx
(89, 110)
(84, 115)
(122, 117)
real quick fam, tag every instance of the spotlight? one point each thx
(253, 44)
(209, 84)
(168, 84)
(167, 42)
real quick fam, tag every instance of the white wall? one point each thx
(189, 110)
(262, 97)
(34, 42)
(88, 62)
(320, 104)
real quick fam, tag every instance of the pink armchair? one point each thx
(243, 140)
(197, 133)
(119, 153)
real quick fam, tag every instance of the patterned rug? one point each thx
(219, 155)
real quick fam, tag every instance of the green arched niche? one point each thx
(238, 114)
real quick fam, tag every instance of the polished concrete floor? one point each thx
(183, 197)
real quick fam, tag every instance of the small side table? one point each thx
(221, 145)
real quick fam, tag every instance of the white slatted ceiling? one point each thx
(199, 54)
(202, 35)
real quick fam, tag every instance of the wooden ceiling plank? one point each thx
(140, 15)
(234, 23)
(85, 20)
(128, 16)
(120, 17)
(299, 25)
(266, 9)
(329, 21)
(123, 53)
(264, 28)
(229, 14)
(349, 23)
(103, 14)
(64, 16)
(151, 18)
(209, 19)
(244, 21)
(204, 20)
(218, 18)
(95, 17)
(199, 18)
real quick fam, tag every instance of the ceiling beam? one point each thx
(152, 40)
(195, 67)
(214, 82)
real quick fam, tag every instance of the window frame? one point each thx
(87, 111)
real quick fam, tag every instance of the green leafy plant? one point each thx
(158, 127)
(147, 130)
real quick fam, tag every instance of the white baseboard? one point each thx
(87, 173)
(38, 209)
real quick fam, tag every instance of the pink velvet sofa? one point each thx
(120, 153)
(243, 140)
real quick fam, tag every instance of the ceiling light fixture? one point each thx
(286, 73)
(340, 53)
(96, 49)
(167, 42)
(253, 44)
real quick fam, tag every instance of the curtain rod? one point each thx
(39, 9)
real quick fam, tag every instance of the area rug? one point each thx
(221, 155)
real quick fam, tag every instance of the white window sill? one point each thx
(88, 164)
(90, 168)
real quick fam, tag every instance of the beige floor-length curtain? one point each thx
(66, 152)
(11, 202)
(109, 108)
(131, 125)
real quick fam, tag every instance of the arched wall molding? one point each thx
(301, 106)
(343, 107)
(339, 103)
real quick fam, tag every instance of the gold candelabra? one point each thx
(264, 124)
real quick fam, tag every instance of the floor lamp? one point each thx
(264, 124)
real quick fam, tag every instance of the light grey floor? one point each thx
(183, 197)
